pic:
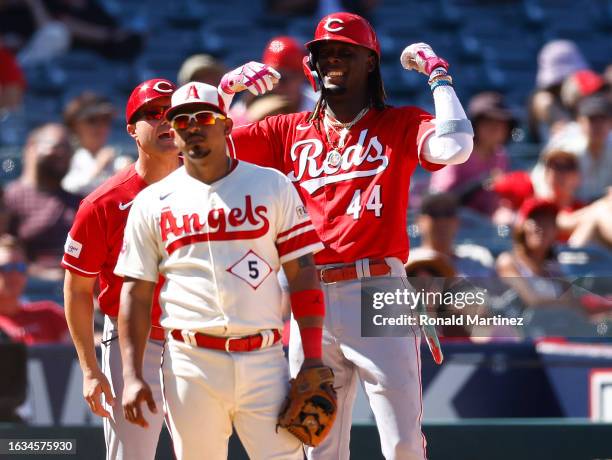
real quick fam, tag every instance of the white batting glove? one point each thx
(420, 57)
(256, 77)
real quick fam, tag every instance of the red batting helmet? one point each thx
(348, 28)
(284, 53)
(146, 92)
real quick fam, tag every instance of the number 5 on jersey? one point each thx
(373, 203)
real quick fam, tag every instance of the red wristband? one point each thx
(307, 303)
(312, 342)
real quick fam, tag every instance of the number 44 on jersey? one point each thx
(373, 203)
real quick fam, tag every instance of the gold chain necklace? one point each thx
(334, 156)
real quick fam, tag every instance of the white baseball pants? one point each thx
(124, 440)
(388, 368)
(207, 391)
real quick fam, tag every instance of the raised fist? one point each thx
(420, 57)
(256, 77)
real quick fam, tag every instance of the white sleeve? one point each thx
(296, 235)
(139, 257)
(452, 142)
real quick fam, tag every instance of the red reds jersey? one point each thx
(356, 194)
(96, 236)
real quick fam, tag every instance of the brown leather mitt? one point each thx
(310, 408)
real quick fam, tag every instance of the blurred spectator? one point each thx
(40, 212)
(32, 323)
(438, 223)
(203, 68)
(607, 74)
(578, 223)
(590, 138)
(320, 8)
(285, 54)
(557, 60)
(493, 122)
(530, 267)
(12, 81)
(28, 30)
(91, 27)
(268, 105)
(513, 189)
(429, 263)
(562, 177)
(578, 85)
(89, 118)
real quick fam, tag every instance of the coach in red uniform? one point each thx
(91, 252)
(351, 160)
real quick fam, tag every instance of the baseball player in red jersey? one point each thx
(218, 230)
(91, 252)
(351, 160)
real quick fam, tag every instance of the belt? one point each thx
(157, 333)
(241, 344)
(349, 272)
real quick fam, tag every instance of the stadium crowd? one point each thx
(492, 217)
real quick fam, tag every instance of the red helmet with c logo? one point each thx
(347, 28)
(146, 92)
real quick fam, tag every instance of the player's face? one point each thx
(151, 131)
(344, 67)
(201, 134)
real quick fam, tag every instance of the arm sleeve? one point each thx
(86, 246)
(443, 147)
(296, 235)
(139, 256)
(420, 128)
(259, 143)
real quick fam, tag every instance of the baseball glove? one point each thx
(310, 408)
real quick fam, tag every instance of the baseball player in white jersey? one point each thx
(351, 160)
(218, 230)
(91, 251)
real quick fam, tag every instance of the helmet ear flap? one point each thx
(311, 72)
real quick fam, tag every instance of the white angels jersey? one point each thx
(218, 247)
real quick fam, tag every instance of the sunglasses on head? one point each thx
(153, 113)
(202, 118)
(20, 267)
